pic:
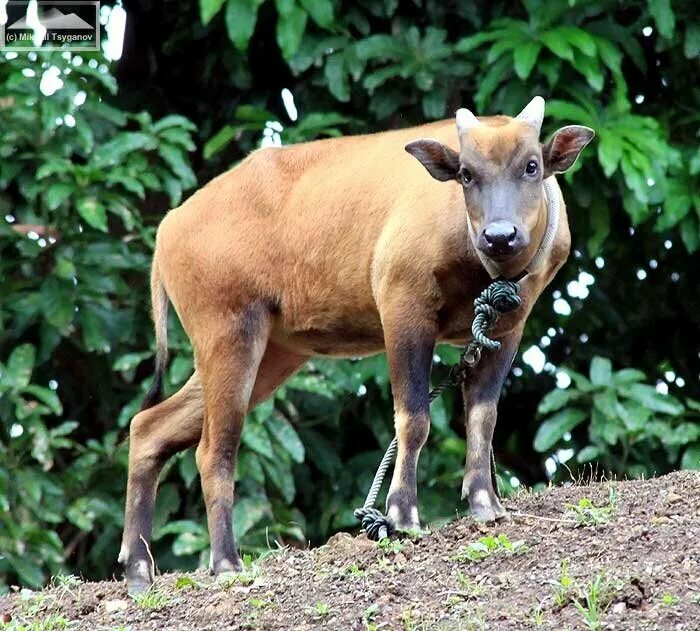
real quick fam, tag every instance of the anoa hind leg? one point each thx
(155, 434)
(228, 352)
(161, 431)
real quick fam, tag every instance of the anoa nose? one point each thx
(500, 239)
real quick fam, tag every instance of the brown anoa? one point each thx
(345, 247)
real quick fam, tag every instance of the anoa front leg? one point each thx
(481, 394)
(410, 341)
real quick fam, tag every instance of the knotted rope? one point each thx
(500, 297)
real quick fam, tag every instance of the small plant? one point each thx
(368, 617)
(53, 622)
(593, 601)
(247, 577)
(586, 513)
(488, 545)
(537, 614)
(354, 571)
(669, 600)
(469, 588)
(151, 599)
(66, 581)
(409, 622)
(322, 609)
(390, 545)
(183, 582)
(564, 588)
(476, 621)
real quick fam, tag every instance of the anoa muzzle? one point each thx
(352, 251)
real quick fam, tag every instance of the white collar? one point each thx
(553, 213)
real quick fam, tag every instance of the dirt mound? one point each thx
(622, 555)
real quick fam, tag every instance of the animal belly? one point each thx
(340, 339)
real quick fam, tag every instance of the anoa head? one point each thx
(500, 166)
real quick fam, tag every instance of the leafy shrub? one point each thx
(632, 428)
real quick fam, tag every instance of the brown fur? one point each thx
(341, 247)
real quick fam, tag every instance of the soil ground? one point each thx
(636, 566)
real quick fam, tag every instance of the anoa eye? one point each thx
(466, 176)
(531, 167)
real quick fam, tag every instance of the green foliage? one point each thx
(74, 171)
(593, 600)
(631, 426)
(151, 599)
(485, 546)
(586, 513)
(85, 178)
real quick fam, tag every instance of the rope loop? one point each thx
(500, 297)
(377, 525)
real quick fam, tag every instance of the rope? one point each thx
(500, 297)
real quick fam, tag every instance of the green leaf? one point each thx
(94, 329)
(93, 213)
(290, 30)
(678, 203)
(634, 416)
(219, 141)
(560, 47)
(256, 438)
(690, 233)
(691, 457)
(129, 361)
(553, 429)
(337, 77)
(283, 432)
(609, 152)
(606, 403)
(467, 44)
(19, 367)
(663, 15)
(177, 161)
(691, 47)
(189, 543)
(601, 371)
(588, 453)
(578, 38)
(241, 16)
(579, 380)
(281, 478)
(28, 571)
(590, 68)
(46, 396)
(557, 399)
(628, 375)
(58, 193)
(187, 466)
(209, 8)
(321, 11)
(58, 303)
(114, 151)
(247, 512)
(650, 398)
(524, 58)
(494, 76)
(174, 120)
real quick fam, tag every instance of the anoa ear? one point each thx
(560, 153)
(440, 161)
